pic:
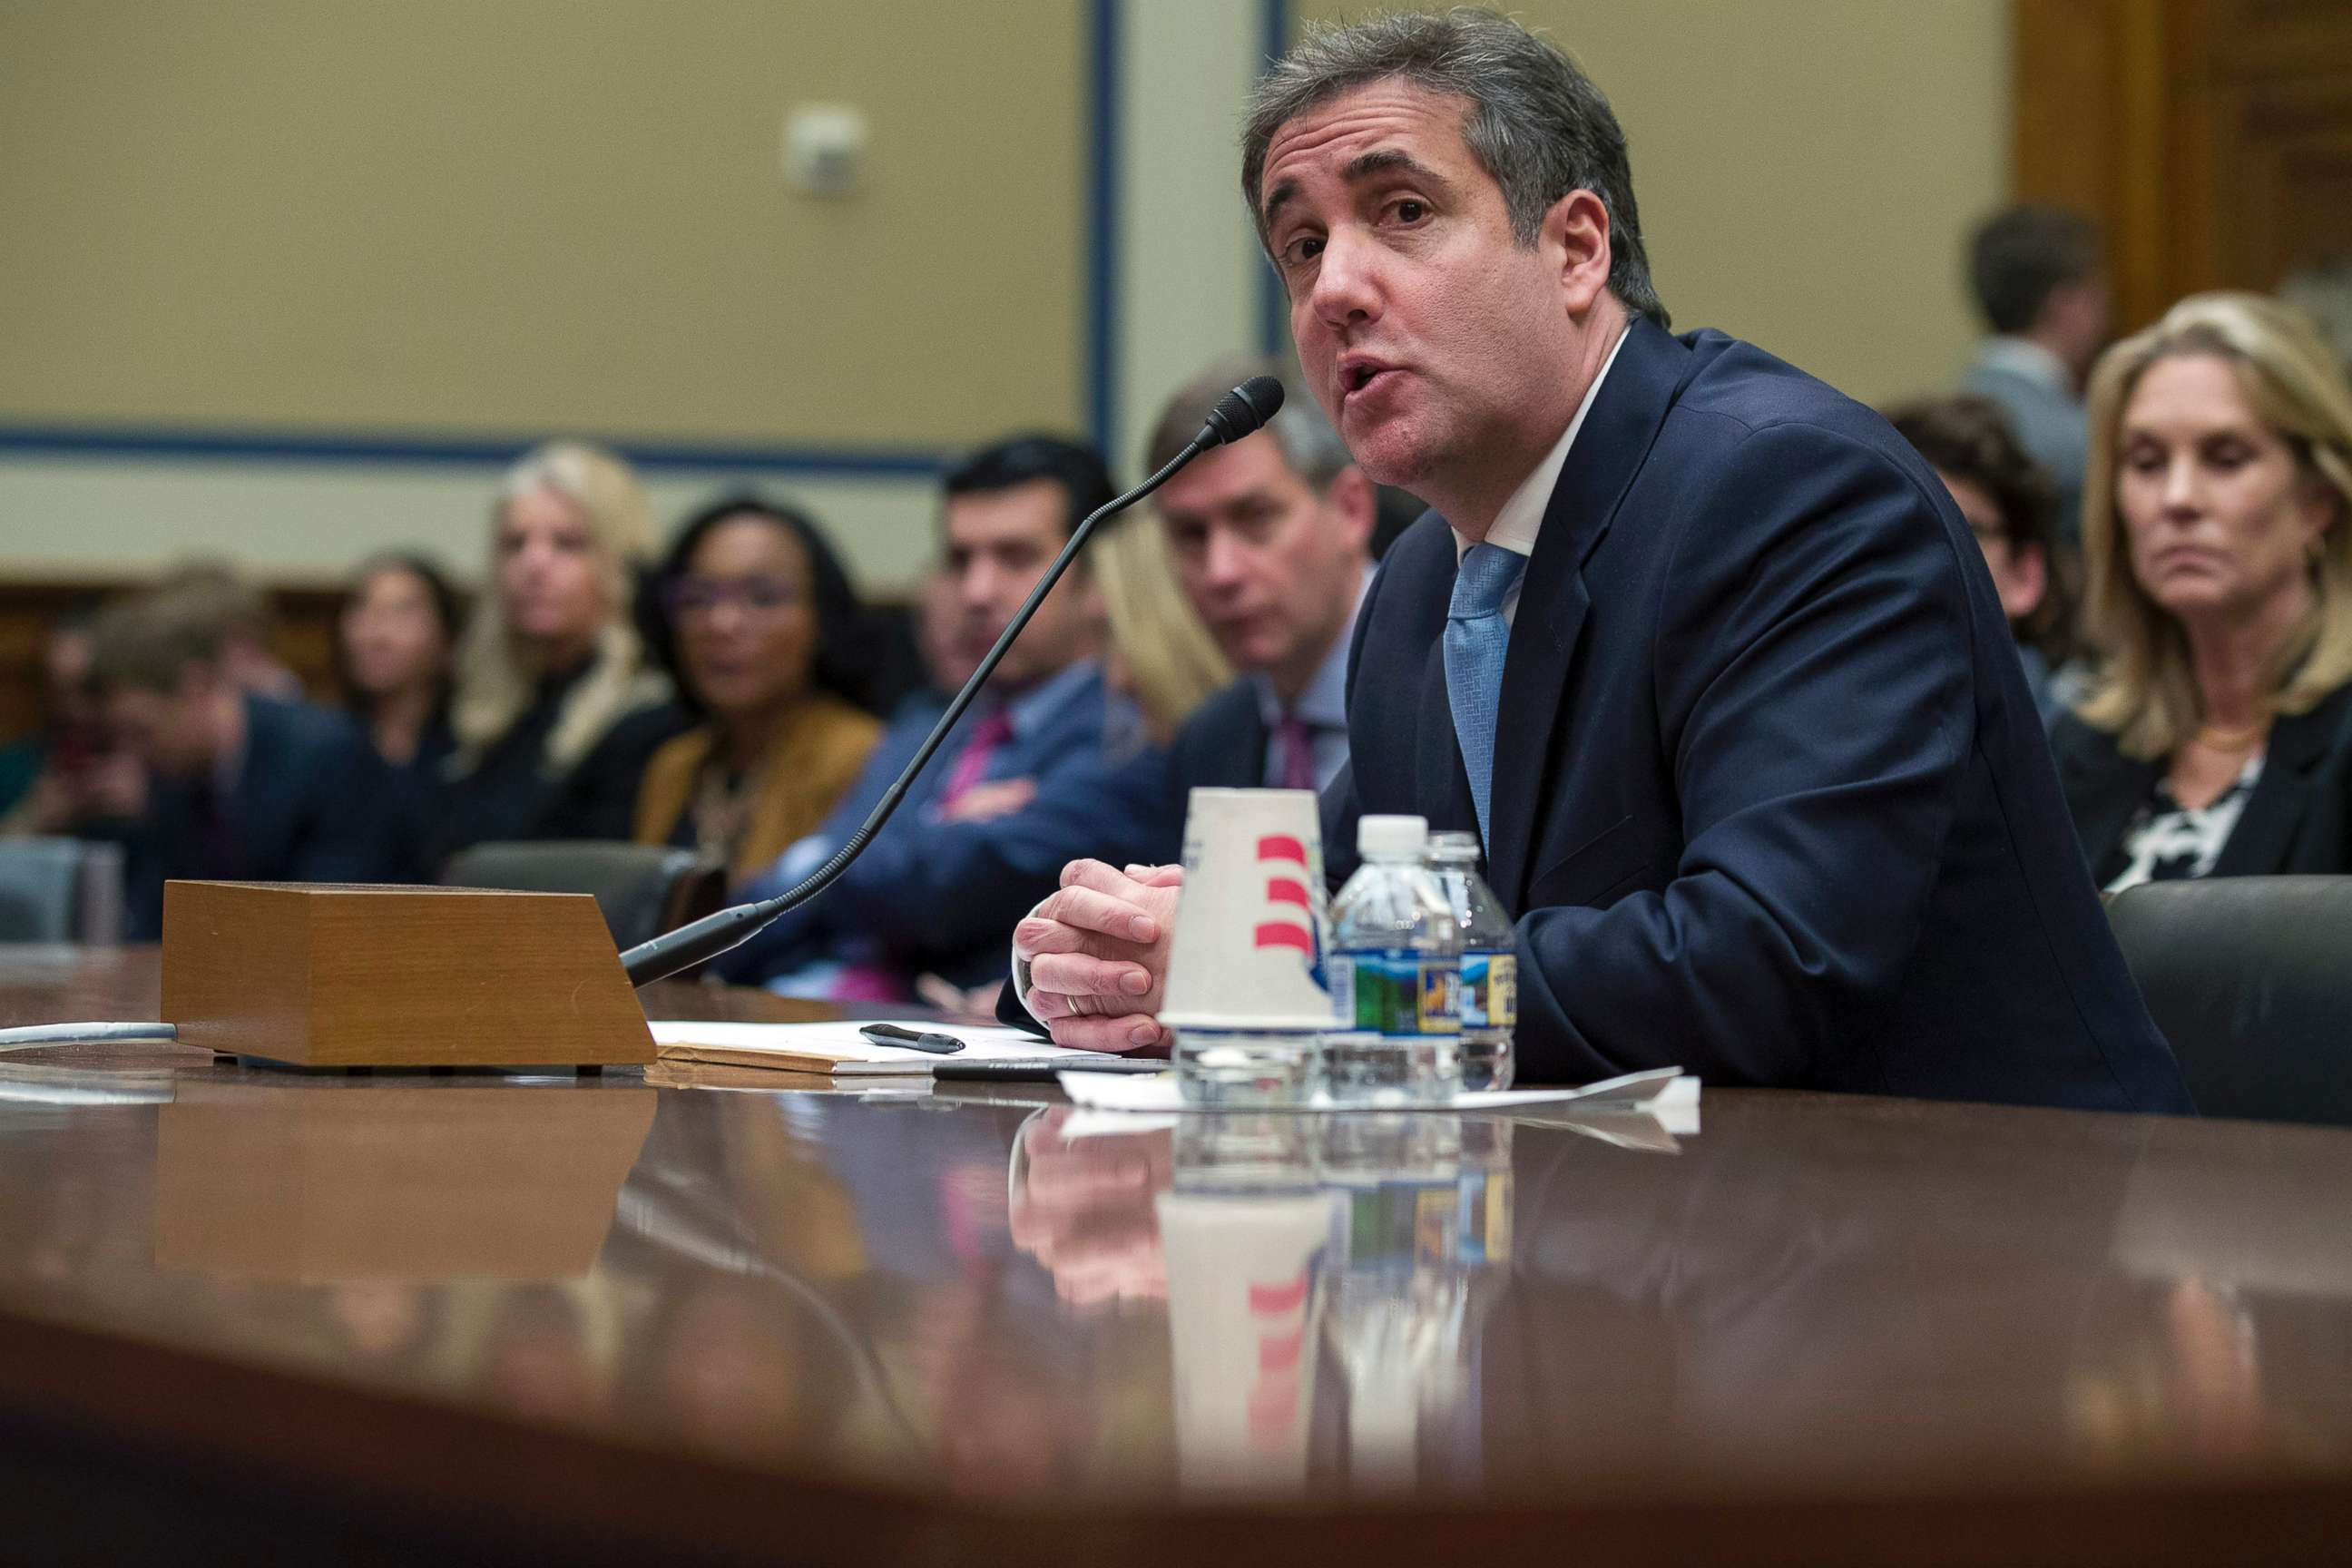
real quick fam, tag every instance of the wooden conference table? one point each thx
(625, 1318)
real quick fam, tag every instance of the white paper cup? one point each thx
(1244, 1321)
(1253, 927)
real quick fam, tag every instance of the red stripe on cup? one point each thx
(1283, 933)
(1281, 846)
(1280, 1353)
(1283, 1296)
(1286, 890)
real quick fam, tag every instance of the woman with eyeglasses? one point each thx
(771, 653)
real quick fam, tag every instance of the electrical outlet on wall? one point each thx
(824, 149)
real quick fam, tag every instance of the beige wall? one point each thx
(528, 215)
(1807, 169)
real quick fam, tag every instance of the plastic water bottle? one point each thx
(1490, 963)
(1395, 972)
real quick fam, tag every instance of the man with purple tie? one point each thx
(1014, 793)
(1271, 540)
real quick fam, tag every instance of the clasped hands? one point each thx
(1097, 953)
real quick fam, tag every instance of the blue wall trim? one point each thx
(1103, 108)
(268, 446)
(1277, 26)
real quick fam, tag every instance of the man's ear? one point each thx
(2032, 565)
(1576, 233)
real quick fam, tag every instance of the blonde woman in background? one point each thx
(2218, 741)
(557, 708)
(1162, 655)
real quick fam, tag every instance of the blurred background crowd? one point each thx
(2158, 485)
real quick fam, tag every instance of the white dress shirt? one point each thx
(1515, 526)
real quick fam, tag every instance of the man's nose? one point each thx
(979, 585)
(1347, 281)
(1226, 562)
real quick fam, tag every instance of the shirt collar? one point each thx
(1324, 704)
(1515, 526)
(2025, 358)
(1035, 706)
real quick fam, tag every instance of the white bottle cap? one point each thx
(1391, 834)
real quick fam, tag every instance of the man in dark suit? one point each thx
(1699, 646)
(1271, 544)
(244, 787)
(1015, 790)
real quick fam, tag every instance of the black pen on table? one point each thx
(911, 1040)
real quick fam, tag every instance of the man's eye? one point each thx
(1305, 247)
(1410, 211)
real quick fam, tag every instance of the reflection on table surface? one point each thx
(988, 1295)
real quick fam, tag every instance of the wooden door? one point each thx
(2213, 139)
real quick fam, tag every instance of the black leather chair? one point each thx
(642, 890)
(60, 889)
(2251, 979)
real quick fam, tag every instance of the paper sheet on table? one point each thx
(838, 1049)
(1668, 1099)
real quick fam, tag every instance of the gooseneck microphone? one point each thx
(1242, 410)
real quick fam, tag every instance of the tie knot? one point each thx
(993, 730)
(1483, 581)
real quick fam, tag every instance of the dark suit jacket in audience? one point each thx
(511, 793)
(312, 802)
(2298, 820)
(940, 897)
(1771, 799)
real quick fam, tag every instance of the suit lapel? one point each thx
(1251, 740)
(2259, 845)
(1608, 452)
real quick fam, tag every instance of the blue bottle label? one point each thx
(1490, 990)
(1396, 991)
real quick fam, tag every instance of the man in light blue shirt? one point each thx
(2038, 277)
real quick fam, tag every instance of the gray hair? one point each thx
(1537, 124)
(1310, 448)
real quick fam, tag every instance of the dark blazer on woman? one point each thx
(2298, 820)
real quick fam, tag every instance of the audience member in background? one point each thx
(1160, 657)
(947, 662)
(243, 611)
(393, 645)
(2218, 741)
(242, 787)
(1271, 542)
(2007, 501)
(984, 833)
(2040, 282)
(766, 639)
(71, 777)
(557, 711)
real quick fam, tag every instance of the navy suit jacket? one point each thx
(1221, 746)
(942, 897)
(1771, 799)
(313, 803)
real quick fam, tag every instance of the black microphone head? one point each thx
(1245, 408)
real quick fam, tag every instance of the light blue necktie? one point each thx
(1476, 638)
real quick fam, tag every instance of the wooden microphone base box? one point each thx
(355, 976)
